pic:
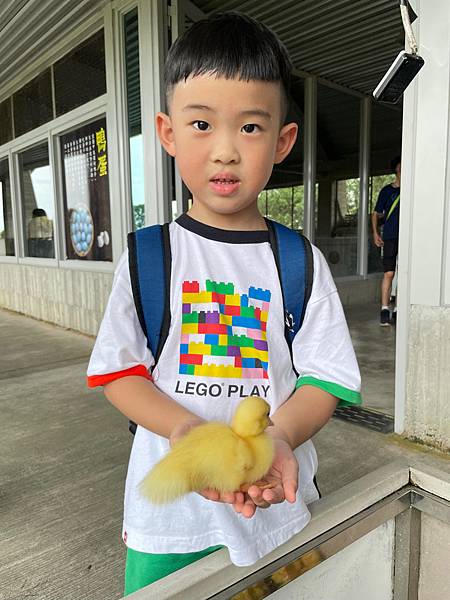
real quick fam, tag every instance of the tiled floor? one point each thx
(64, 452)
(375, 350)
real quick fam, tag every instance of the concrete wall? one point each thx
(76, 299)
(423, 341)
(362, 291)
(434, 583)
(70, 298)
(428, 391)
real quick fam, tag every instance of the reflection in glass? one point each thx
(86, 192)
(386, 141)
(374, 262)
(338, 178)
(33, 104)
(131, 36)
(80, 75)
(284, 205)
(5, 121)
(37, 202)
(6, 218)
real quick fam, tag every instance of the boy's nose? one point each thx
(225, 152)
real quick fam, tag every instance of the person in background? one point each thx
(387, 211)
(40, 235)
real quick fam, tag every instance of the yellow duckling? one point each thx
(215, 455)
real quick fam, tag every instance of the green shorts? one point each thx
(143, 569)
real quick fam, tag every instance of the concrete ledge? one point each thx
(204, 578)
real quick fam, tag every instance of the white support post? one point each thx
(153, 48)
(179, 10)
(364, 172)
(309, 164)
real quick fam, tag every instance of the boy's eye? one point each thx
(201, 125)
(250, 128)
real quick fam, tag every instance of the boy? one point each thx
(227, 83)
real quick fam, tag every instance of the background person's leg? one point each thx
(386, 286)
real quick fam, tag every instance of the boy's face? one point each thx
(225, 135)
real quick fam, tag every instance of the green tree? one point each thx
(284, 205)
(139, 216)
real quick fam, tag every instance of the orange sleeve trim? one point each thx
(139, 370)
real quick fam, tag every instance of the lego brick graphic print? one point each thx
(223, 333)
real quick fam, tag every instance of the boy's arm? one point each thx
(142, 402)
(376, 236)
(303, 415)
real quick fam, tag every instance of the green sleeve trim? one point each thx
(346, 397)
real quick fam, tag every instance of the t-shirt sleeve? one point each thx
(322, 350)
(121, 346)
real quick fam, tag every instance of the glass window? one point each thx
(37, 202)
(131, 36)
(6, 218)
(386, 139)
(33, 104)
(80, 75)
(84, 153)
(374, 263)
(5, 121)
(284, 205)
(338, 176)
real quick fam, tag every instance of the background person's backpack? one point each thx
(150, 280)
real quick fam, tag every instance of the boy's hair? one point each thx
(230, 45)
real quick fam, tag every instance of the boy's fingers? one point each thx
(290, 480)
(255, 493)
(274, 495)
(248, 508)
(210, 494)
(290, 489)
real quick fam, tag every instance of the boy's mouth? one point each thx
(224, 184)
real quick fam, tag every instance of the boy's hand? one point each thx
(181, 430)
(283, 475)
(378, 240)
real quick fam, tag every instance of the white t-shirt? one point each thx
(226, 341)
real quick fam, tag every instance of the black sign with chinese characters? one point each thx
(84, 154)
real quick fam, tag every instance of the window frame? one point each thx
(11, 259)
(50, 132)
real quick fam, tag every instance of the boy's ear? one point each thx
(165, 132)
(286, 139)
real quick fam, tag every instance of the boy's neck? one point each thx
(249, 219)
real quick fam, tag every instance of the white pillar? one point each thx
(152, 53)
(364, 173)
(309, 163)
(423, 339)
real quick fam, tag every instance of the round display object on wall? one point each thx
(81, 229)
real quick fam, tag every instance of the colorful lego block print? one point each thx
(223, 333)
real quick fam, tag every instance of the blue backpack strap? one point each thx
(294, 260)
(150, 268)
(150, 262)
